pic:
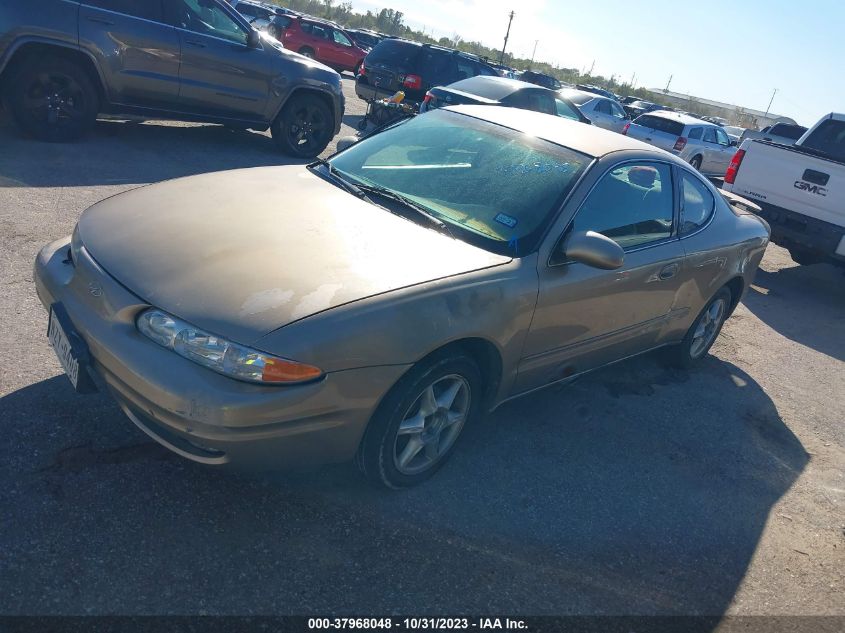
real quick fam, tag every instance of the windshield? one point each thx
(494, 187)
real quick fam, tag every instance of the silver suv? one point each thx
(703, 145)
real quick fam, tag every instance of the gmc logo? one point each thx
(806, 186)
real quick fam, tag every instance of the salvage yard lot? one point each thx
(637, 490)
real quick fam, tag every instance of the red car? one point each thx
(324, 42)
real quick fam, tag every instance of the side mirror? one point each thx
(253, 39)
(594, 249)
(346, 142)
(734, 143)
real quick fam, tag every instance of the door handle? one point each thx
(195, 43)
(100, 21)
(668, 271)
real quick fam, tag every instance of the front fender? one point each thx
(403, 326)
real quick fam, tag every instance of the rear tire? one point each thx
(417, 426)
(53, 99)
(304, 127)
(696, 163)
(702, 333)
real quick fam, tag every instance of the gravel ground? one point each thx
(637, 490)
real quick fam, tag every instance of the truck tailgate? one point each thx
(794, 180)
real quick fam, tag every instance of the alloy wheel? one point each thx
(432, 424)
(54, 99)
(708, 328)
(307, 128)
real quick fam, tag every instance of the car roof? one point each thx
(580, 97)
(684, 119)
(586, 139)
(494, 88)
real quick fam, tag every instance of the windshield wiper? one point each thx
(407, 203)
(339, 180)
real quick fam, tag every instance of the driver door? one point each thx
(585, 316)
(220, 74)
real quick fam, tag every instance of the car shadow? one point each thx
(804, 304)
(638, 490)
(129, 152)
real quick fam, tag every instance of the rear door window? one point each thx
(710, 135)
(695, 133)
(603, 107)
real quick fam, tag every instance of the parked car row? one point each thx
(414, 68)
(512, 93)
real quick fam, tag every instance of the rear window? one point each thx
(394, 52)
(828, 139)
(660, 124)
(792, 132)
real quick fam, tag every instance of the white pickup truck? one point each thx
(800, 189)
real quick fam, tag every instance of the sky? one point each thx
(736, 51)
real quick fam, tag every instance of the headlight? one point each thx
(224, 357)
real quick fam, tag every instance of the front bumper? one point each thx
(196, 412)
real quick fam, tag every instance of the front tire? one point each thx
(415, 429)
(703, 332)
(54, 100)
(305, 51)
(304, 127)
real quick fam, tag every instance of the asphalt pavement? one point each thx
(637, 490)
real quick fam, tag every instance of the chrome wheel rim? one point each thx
(708, 327)
(431, 424)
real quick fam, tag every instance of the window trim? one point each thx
(163, 20)
(673, 236)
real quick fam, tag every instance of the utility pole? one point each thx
(666, 89)
(590, 74)
(505, 45)
(535, 51)
(771, 101)
(633, 77)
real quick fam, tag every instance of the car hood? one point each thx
(244, 252)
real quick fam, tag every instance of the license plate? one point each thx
(70, 349)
